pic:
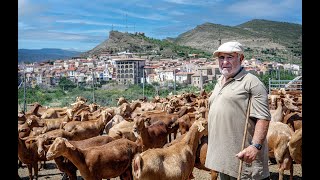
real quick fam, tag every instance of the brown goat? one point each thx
(87, 129)
(124, 129)
(31, 123)
(96, 163)
(201, 158)
(278, 137)
(115, 120)
(65, 165)
(153, 136)
(201, 155)
(27, 153)
(294, 120)
(295, 146)
(175, 162)
(54, 123)
(170, 120)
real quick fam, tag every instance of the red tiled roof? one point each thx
(72, 69)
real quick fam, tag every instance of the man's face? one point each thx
(229, 64)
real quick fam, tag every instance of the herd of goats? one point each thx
(160, 139)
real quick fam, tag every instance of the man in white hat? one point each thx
(228, 106)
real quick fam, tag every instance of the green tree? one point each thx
(273, 74)
(210, 86)
(66, 84)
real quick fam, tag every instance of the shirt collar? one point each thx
(240, 74)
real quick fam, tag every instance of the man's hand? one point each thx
(248, 154)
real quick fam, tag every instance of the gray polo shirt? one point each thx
(226, 123)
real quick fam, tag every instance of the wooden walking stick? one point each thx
(244, 136)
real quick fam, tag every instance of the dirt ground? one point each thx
(52, 173)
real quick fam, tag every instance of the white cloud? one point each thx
(77, 31)
(192, 2)
(142, 16)
(23, 26)
(55, 36)
(26, 8)
(176, 13)
(78, 21)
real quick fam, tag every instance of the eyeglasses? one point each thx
(227, 58)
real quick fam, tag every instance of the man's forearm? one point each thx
(261, 130)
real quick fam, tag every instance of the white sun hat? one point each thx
(229, 47)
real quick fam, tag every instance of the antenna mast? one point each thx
(126, 24)
(219, 36)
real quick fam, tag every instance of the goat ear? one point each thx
(29, 122)
(148, 119)
(46, 147)
(69, 145)
(30, 140)
(45, 136)
(128, 119)
(200, 126)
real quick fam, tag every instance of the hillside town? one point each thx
(127, 68)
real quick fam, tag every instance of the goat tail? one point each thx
(137, 166)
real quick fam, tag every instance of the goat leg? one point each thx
(291, 171)
(214, 175)
(30, 170)
(20, 164)
(36, 169)
(281, 173)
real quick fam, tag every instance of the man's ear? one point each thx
(241, 57)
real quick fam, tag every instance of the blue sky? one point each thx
(82, 25)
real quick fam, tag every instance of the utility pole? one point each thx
(201, 83)
(278, 77)
(143, 81)
(93, 86)
(174, 85)
(219, 37)
(291, 60)
(24, 89)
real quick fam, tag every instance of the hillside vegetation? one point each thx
(263, 39)
(137, 43)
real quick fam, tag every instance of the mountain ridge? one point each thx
(43, 54)
(262, 39)
(265, 39)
